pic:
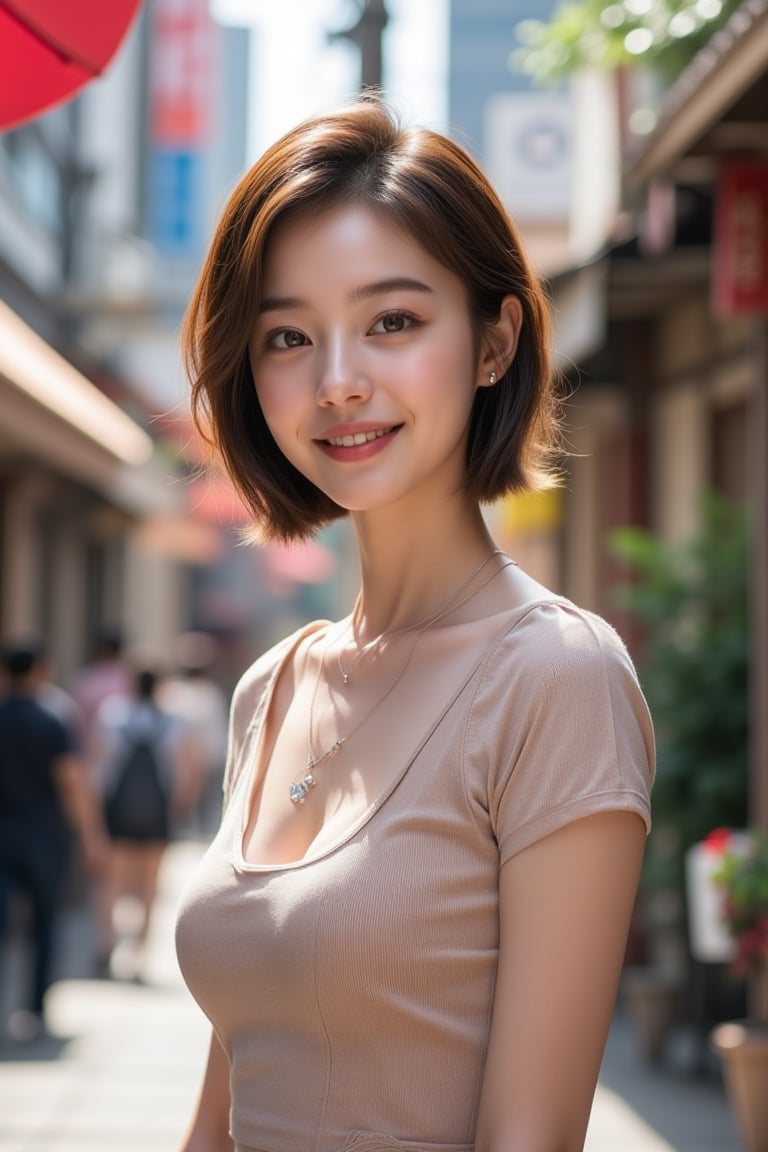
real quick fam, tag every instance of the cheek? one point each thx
(267, 386)
(450, 373)
(448, 355)
(276, 400)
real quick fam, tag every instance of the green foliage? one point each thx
(692, 600)
(743, 876)
(661, 34)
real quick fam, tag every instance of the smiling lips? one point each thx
(357, 444)
(357, 438)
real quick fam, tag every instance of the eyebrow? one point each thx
(364, 292)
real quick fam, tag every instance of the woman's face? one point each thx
(364, 359)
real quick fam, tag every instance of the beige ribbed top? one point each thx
(352, 990)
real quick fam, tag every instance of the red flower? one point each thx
(718, 840)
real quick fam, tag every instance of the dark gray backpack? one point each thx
(137, 805)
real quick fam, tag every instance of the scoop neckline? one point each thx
(252, 749)
(252, 745)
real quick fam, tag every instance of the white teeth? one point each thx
(357, 438)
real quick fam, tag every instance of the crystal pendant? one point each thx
(299, 790)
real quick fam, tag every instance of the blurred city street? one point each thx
(122, 1067)
(632, 155)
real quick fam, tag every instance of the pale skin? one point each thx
(363, 331)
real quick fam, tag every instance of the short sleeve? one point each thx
(560, 727)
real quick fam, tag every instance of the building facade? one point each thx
(106, 204)
(553, 155)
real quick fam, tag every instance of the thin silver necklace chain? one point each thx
(375, 645)
(299, 789)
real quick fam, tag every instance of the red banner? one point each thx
(183, 77)
(740, 270)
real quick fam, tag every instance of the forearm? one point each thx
(79, 803)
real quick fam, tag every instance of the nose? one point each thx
(342, 378)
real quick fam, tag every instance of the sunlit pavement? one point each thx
(640, 1109)
(123, 1065)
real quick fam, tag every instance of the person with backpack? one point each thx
(193, 694)
(141, 755)
(47, 808)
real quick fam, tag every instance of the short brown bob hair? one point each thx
(433, 190)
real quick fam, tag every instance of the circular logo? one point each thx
(541, 144)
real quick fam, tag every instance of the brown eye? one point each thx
(288, 338)
(393, 322)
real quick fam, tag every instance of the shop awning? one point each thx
(717, 105)
(52, 411)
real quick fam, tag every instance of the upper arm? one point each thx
(565, 907)
(209, 1128)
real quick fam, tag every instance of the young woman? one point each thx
(409, 930)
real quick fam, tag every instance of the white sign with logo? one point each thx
(528, 152)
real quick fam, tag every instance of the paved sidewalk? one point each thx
(123, 1068)
(125, 1063)
(664, 1109)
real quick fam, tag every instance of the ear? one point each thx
(499, 343)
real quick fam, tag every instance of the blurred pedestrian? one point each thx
(194, 696)
(142, 757)
(44, 795)
(58, 701)
(409, 930)
(107, 674)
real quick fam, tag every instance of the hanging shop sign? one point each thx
(182, 99)
(740, 271)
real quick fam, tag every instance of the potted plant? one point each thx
(688, 601)
(742, 877)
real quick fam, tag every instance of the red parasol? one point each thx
(49, 49)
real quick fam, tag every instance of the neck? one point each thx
(411, 572)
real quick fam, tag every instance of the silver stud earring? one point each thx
(492, 378)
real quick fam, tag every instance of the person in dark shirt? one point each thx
(44, 797)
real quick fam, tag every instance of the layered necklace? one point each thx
(375, 646)
(299, 789)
